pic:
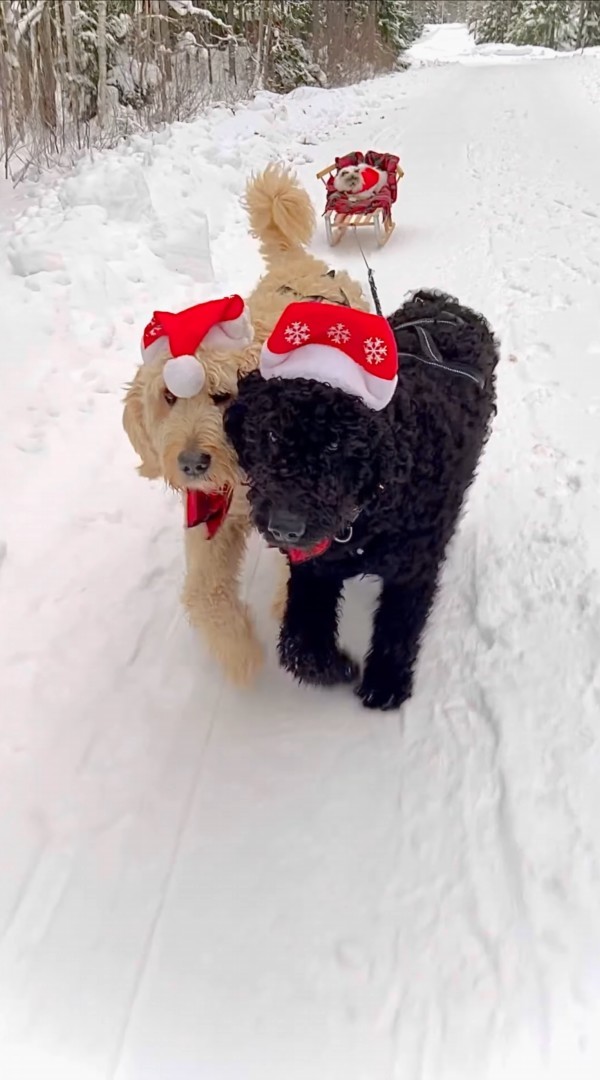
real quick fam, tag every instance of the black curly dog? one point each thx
(385, 487)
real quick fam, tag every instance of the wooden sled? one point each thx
(337, 225)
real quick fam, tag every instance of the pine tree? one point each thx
(426, 11)
(587, 24)
(396, 23)
(494, 21)
(544, 22)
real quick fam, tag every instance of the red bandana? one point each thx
(298, 555)
(208, 508)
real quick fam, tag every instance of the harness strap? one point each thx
(433, 356)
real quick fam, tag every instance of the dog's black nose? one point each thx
(286, 528)
(193, 463)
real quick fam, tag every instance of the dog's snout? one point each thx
(193, 463)
(285, 527)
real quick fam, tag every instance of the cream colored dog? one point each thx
(182, 439)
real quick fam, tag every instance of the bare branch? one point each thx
(29, 19)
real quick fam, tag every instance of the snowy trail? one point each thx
(201, 884)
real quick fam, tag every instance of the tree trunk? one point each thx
(231, 45)
(166, 39)
(263, 22)
(102, 62)
(581, 23)
(14, 97)
(5, 114)
(69, 42)
(316, 29)
(48, 77)
(336, 34)
(267, 45)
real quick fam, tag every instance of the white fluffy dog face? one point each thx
(349, 180)
(168, 433)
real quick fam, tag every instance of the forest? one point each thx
(80, 73)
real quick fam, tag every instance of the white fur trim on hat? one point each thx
(233, 334)
(349, 349)
(331, 366)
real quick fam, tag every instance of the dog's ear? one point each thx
(136, 430)
(235, 414)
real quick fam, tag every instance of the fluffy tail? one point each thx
(281, 214)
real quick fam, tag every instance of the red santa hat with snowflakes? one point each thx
(175, 338)
(354, 351)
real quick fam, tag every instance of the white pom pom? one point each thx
(183, 376)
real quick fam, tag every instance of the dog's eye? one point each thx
(169, 397)
(273, 437)
(220, 399)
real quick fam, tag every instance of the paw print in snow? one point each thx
(375, 350)
(296, 333)
(339, 334)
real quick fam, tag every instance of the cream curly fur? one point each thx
(282, 218)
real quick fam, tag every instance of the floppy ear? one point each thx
(233, 424)
(235, 414)
(136, 430)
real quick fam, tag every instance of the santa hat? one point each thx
(218, 324)
(351, 350)
(372, 179)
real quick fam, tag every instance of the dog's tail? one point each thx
(281, 214)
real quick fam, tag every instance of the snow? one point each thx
(201, 884)
(451, 43)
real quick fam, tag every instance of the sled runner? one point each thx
(361, 190)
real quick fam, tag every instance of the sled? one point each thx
(375, 213)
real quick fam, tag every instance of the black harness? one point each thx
(433, 356)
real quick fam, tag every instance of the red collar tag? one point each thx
(208, 508)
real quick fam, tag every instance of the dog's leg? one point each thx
(211, 598)
(308, 646)
(281, 594)
(399, 623)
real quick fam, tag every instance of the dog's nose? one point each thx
(193, 463)
(285, 527)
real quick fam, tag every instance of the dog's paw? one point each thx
(384, 689)
(327, 667)
(240, 652)
(245, 663)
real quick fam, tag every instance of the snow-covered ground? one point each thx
(201, 885)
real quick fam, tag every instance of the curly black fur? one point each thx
(322, 454)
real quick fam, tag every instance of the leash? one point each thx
(433, 357)
(370, 276)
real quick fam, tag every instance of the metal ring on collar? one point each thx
(346, 537)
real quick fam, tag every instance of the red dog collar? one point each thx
(298, 555)
(208, 508)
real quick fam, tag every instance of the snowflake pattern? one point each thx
(339, 334)
(296, 333)
(375, 350)
(154, 330)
